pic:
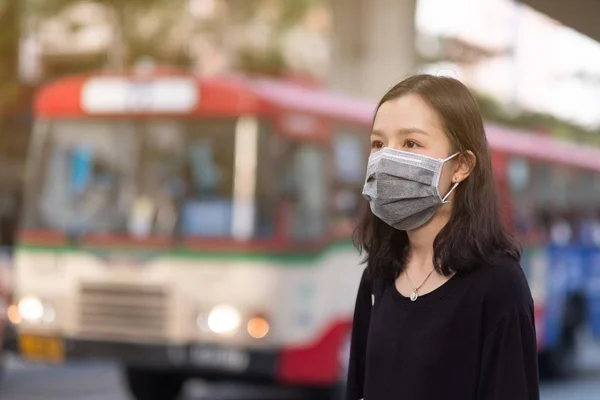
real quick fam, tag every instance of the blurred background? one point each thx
(179, 180)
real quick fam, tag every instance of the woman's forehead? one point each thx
(407, 114)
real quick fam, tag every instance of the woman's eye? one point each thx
(410, 144)
(377, 144)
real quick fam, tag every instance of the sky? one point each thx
(539, 71)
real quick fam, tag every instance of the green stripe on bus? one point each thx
(246, 256)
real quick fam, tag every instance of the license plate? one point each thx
(223, 359)
(40, 348)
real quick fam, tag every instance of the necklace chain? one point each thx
(415, 293)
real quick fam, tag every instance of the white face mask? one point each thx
(402, 188)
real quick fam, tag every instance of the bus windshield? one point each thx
(141, 178)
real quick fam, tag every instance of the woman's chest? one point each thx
(410, 344)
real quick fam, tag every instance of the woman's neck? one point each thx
(421, 243)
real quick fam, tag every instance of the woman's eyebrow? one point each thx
(405, 131)
(401, 131)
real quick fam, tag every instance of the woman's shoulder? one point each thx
(503, 286)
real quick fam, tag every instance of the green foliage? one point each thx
(10, 87)
(46, 8)
(271, 62)
(293, 12)
(126, 14)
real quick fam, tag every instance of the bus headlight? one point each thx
(13, 314)
(224, 320)
(32, 309)
(258, 327)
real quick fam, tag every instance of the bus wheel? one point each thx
(328, 393)
(153, 385)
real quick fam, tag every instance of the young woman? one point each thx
(444, 310)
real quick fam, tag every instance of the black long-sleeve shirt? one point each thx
(471, 339)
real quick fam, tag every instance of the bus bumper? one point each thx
(194, 359)
(316, 364)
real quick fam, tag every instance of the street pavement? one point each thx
(24, 381)
(91, 381)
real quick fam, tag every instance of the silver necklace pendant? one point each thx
(414, 296)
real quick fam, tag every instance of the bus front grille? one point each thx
(123, 312)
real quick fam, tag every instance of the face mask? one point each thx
(402, 188)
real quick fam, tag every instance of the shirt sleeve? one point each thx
(509, 367)
(358, 345)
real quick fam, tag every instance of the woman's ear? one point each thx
(464, 166)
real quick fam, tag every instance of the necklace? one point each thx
(415, 293)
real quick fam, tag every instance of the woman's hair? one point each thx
(475, 232)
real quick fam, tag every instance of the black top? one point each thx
(472, 338)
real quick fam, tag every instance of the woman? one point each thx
(443, 310)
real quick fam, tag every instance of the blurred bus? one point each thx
(201, 227)
(190, 227)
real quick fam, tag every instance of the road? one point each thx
(102, 382)
(585, 385)
(88, 381)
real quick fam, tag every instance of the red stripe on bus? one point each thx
(316, 364)
(275, 246)
(42, 238)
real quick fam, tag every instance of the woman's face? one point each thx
(409, 124)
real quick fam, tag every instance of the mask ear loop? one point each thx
(455, 183)
(451, 157)
(444, 201)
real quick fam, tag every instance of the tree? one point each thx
(163, 30)
(140, 27)
(9, 50)
(260, 26)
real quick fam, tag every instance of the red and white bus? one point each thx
(201, 227)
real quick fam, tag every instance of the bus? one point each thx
(188, 227)
(201, 227)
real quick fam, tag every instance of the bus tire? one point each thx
(144, 384)
(336, 392)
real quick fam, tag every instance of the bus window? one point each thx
(84, 166)
(561, 185)
(349, 157)
(595, 189)
(595, 208)
(160, 182)
(350, 152)
(266, 183)
(558, 190)
(303, 185)
(309, 219)
(208, 179)
(520, 174)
